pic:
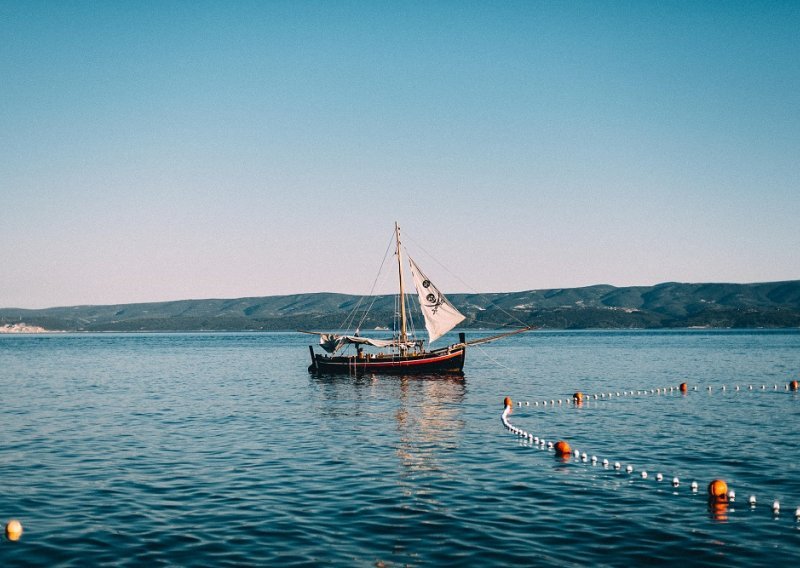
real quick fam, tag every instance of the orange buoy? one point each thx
(793, 385)
(718, 490)
(578, 397)
(562, 449)
(13, 529)
(507, 401)
(683, 387)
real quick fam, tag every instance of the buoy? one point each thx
(684, 388)
(583, 456)
(13, 529)
(536, 439)
(731, 495)
(578, 397)
(752, 500)
(629, 469)
(644, 475)
(577, 454)
(793, 385)
(797, 514)
(776, 507)
(659, 477)
(724, 387)
(718, 490)
(616, 465)
(675, 481)
(550, 445)
(594, 460)
(605, 462)
(527, 403)
(694, 486)
(562, 449)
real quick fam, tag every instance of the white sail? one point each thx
(440, 315)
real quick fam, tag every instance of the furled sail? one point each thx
(440, 315)
(332, 342)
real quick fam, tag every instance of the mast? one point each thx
(403, 333)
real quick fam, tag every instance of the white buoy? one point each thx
(536, 403)
(536, 439)
(797, 514)
(577, 454)
(594, 460)
(752, 500)
(675, 481)
(559, 401)
(552, 402)
(583, 457)
(751, 387)
(737, 387)
(549, 445)
(723, 387)
(659, 477)
(617, 393)
(644, 475)
(605, 462)
(629, 469)
(694, 486)
(616, 465)
(731, 495)
(776, 507)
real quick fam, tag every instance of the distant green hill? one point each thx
(668, 305)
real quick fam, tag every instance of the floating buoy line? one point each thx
(720, 495)
(579, 398)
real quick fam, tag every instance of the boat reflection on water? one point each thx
(427, 410)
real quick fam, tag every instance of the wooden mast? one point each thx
(403, 333)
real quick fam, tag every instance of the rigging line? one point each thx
(351, 316)
(495, 361)
(474, 291)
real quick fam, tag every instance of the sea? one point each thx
(220, 449)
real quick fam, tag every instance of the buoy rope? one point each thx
(658, 391)
(718, 498)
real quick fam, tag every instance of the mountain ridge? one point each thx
(599, 306)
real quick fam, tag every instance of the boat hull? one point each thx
(448, 361)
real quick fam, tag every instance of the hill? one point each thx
(667, 305)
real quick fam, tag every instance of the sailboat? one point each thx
(402, 353)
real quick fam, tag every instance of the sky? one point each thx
(164, 150)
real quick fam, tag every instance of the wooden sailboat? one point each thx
(402, 353)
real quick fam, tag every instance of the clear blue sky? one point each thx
(166, 150)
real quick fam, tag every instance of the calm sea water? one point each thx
(220, 449)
